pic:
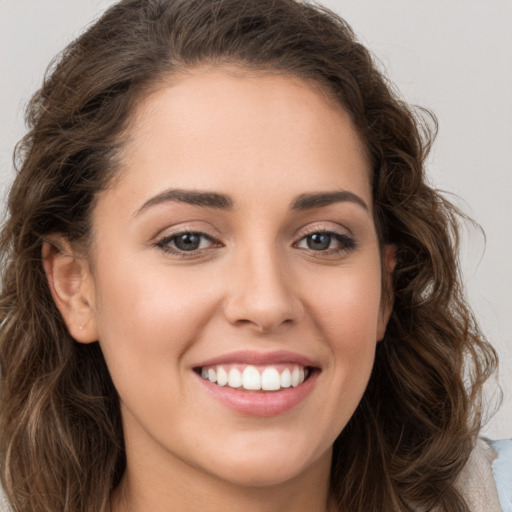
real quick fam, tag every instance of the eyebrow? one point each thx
(194, 197)
(319, 199)
(224, 202)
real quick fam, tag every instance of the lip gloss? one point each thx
(259, 403)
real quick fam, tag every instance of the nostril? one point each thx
(261, 292)
(263, 317)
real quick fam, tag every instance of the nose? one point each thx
(261, 293)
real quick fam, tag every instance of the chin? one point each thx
(246, 474)
(269, 467)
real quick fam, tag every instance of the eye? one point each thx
(319, 241)
(186, 242)
(327, 242)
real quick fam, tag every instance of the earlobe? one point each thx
(72, 288)
(387, 298)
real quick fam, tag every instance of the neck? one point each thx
(154, 489)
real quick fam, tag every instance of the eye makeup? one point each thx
(187, 243)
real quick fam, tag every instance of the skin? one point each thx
(263, 140)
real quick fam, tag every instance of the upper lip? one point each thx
(259, 358)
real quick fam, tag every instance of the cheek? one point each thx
(148, 313)
(146, 323)
(345, 308)
(348, 304)
(347, 313)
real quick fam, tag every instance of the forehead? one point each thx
(243, 131)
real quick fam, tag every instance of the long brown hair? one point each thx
(61, 442)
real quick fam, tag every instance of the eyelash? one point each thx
(347, 243)
(165, 243)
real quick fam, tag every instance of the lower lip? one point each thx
(260, 403)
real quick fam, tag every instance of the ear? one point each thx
(387, 294)
(72, 288)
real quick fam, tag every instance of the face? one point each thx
(237, 250)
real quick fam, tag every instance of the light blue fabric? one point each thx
(502, 472)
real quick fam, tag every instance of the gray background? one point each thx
(452, 56)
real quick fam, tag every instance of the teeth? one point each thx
(235, 378)
(251, 379)
(286, 379)
(212, 375)
(222, 376)
(254, 379)
(270, 379)
(295, 377)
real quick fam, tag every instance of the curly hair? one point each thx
(61, 440)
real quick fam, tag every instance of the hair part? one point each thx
(61, 440)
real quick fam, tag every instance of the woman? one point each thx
(226, 282)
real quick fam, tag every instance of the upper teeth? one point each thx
(252, 378)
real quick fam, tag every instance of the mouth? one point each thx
(252, 383)
(263, 378)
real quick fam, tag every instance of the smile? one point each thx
(252, 383)
(255, 378)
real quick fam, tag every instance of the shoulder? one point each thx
(502, 472)
(486, 480)
(4, 504)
